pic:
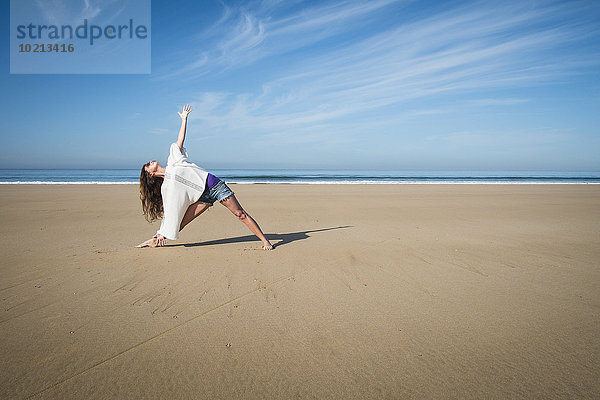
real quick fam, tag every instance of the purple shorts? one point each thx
(219, 192)
(211, 181)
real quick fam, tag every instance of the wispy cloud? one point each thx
(464, 54)
(53, 11)
(495, 102)
(61, 12)
(160, 131)
(246, 34)
(89, 10)
(505, 141)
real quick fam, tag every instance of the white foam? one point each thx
(312, 182)
(67, 183)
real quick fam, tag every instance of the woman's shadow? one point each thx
(278, 239)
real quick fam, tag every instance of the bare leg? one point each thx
(192, 212)
(234, 206)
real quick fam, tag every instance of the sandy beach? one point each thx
(372, 292)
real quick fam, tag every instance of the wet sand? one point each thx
(372, 291)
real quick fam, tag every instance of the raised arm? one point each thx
(183, 114)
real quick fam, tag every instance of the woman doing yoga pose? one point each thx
(181, 191)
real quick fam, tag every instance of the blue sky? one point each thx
(482, 85)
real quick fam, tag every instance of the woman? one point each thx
(181, 191)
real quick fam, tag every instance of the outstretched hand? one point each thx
(186, 110)
(156, 241)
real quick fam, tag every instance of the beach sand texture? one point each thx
(373, 292)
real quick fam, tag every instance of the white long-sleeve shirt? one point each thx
(183, 184)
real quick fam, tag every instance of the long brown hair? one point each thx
(152, 205)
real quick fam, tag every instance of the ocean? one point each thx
(307, 176)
